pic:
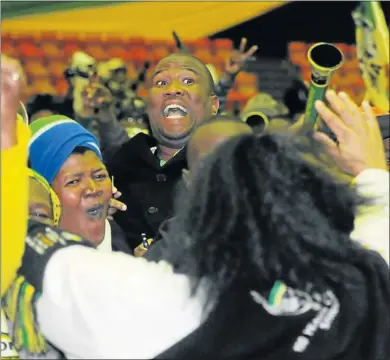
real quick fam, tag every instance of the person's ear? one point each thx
(214, 105)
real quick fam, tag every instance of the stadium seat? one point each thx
(61, 86)
(6, 36)
(222, 44)
(30, 50)
(135, 41)
(56, 68)
(97, 51)
(159, 51)
(204, 55)
(118, 52)
(43, 86)
(8, 48)
(35, 68)
(71, 48)
(299, 58)
(244, 78)
(138, 55)
(297, 46)
(200, 44)
(50, 36)
(52, 50)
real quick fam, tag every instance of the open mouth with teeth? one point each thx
(96, 212)
(174, 111)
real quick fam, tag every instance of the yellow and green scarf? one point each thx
(18, 302)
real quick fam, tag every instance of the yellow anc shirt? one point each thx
(14, 205)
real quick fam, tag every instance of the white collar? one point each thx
(163, 162)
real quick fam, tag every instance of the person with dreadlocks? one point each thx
(273, 255)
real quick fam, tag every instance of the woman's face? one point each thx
(39, 205)
(84, 189)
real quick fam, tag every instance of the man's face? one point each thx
(179, 99)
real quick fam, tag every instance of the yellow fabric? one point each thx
(14, 208)
(373, 51)
(55, 201)
(151, 20)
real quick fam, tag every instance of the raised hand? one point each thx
(13, 82)
(97, 100)
(359, 142)
(237, 60)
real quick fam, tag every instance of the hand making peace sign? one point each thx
(238, 58)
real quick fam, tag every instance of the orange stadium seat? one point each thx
(56, 68)
(118, 40)
(30, 50)
(118, 52)
(43, 86)
(97, 51)
(200, 44)
(204, 55)
(135, 41)
(6, 36)
(222, 44)
(159, 51)
(354, 78)
(297, 46)
(299, 58)
(61, 86)
(351, 63)
(244, 78)
(50, 36)
(156, 43)
(52, 50)
(344, 48)
(139, 55)
(71, 48)
(9, 48)
(35, 68)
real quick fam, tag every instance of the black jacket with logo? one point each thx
(349, 321)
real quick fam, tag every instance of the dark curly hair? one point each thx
(266, 207)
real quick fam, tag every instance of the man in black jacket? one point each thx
(147, 169)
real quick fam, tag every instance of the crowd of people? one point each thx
(201, 237)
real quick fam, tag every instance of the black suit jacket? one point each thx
(147, 188)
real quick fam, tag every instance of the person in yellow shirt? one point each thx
(14, 176)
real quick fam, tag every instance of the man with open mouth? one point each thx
(181, 95)
(147, 169)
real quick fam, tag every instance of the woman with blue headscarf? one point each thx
(69, 158)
